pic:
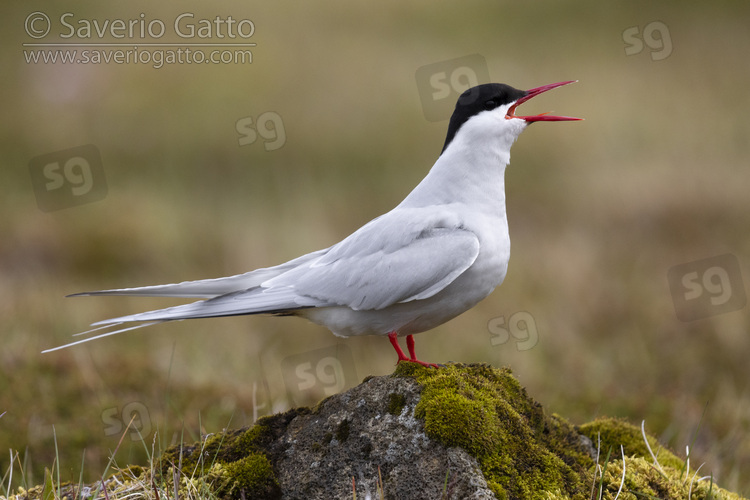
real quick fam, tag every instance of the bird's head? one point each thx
(488, 112)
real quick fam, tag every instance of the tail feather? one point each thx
(204, 289)
(230, 296)
(255, 301)
(107, 334)
(209, 288)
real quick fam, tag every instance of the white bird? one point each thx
(443, 249)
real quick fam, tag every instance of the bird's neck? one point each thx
(468, 175)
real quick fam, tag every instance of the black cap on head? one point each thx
(477, 99)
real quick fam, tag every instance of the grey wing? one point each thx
(403, 256)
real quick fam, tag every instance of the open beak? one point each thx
(543, 117)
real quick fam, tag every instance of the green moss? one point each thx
(461, 420)
(231, 463)
(644, 480)
(327, 438)
(251, 477)
(396, 403)
(252, 439)
(132, 471)
(226, 465)
(522, 451)
(615, 432)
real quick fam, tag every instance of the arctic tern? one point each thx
(443, 249)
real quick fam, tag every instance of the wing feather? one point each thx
(405, 255)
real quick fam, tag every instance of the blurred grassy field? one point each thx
(657, 176)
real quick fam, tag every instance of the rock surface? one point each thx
(369, 427)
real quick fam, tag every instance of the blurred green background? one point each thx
(656, 176)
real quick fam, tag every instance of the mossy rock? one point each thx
(459, 431)
(521, 450)
(526, 454)
(232, 463)
(615, 432)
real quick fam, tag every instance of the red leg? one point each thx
(410, 345)
(401, 356)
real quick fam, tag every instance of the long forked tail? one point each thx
(230, 296)
(106, 334)
(254, 301)
(200, 289)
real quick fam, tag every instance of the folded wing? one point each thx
(405, 255)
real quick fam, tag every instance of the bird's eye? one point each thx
(490, 104)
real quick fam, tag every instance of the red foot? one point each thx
(410, 345)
